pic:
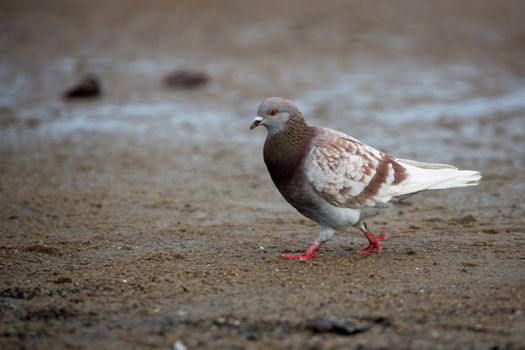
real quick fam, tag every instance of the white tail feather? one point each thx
(428, 176)
(426, 165)
(464, 178)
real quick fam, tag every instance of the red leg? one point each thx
(310, 253)
(373, 243)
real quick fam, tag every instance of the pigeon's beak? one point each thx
(256, 122)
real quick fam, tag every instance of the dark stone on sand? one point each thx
(338, 326)
(19, 293)
(185, 79)
(43, 249)
(467, 219)
(490, 230)
(62, 280)
(50, 313)
(87, 88)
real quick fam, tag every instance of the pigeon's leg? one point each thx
(373, 240)
(324, 235)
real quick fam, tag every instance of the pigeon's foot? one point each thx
(310, 253)
(373, 243)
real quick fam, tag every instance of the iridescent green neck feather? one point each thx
(284, 151)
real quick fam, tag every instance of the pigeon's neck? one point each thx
(283, 144)
(285, 151)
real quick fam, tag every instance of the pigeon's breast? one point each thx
(287, 170)
(299, 193)
(284, 156)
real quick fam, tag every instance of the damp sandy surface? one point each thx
(147, 216)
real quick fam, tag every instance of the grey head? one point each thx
(275, 113)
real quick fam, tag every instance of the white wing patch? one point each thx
(348, 173)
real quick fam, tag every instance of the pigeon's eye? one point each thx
(273, 112)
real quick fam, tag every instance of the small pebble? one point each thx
(87, 88)
(185, 79)
(179, 345)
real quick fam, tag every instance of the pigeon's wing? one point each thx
(351, 174)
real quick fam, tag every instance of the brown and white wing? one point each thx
(348, 173)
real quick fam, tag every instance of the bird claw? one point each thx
(309, 254)
(373, 243)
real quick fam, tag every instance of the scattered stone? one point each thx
(44, 249)
(467, 219)
(19, 293)
(490, 230)
(433, 220)
(62, 280)
(179, 345)
(87, 88)
(252, 337)
(338, 326)
(185, 79)
(50, 313)
(178, 256)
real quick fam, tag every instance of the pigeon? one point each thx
(338, 181)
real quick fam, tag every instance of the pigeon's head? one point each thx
(274, 113)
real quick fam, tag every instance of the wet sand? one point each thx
(147, 216)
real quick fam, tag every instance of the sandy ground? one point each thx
(147, 216)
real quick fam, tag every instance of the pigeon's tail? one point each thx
(429, 176)
(462, 178)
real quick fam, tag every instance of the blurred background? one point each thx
(343, 62)
(125, 124)
(402, 76)
(435, 81)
